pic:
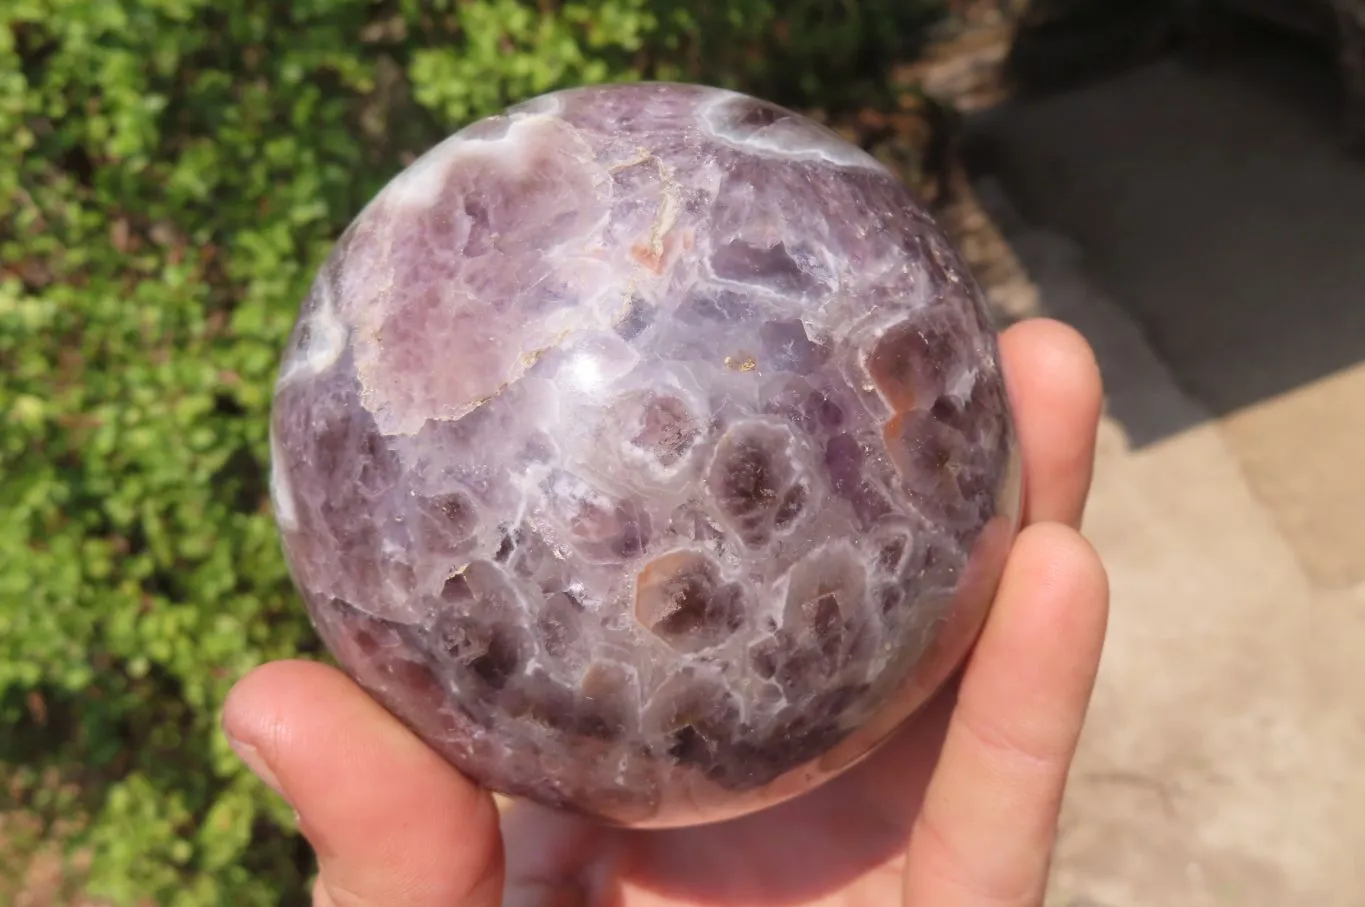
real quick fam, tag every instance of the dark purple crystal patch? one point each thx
(645, 449)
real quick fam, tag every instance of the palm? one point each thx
(844, 843)
(959, 807)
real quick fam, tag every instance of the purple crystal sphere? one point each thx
(645, 450)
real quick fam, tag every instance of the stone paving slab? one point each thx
(1218, 266)
(1218, 208)
(1220, 767)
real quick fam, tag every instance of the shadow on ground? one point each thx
(1216, 204)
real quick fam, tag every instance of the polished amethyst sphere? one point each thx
(645, 450)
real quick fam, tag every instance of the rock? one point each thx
(645, 450)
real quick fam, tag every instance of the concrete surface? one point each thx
(1229, 223)
(1218, 267)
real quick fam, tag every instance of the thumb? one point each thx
(393, 825)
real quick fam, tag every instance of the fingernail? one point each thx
(251, 757)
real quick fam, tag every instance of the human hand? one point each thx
(958, 809)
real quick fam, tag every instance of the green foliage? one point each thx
(172, 172)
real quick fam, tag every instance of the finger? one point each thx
(1055, 389)
(985, 832)
(555, 859)
(393, 825)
